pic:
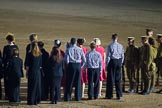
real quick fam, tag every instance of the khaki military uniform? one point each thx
(159, 58)
(154, 45)
(131, 64)
(148, 54)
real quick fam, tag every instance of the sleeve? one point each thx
(67, 57)
(100, 62)
(108, 55)
(148, 62)
(122, 55)
(83, 58)
(22, 73)
(26, 56)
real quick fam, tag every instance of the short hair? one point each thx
(148, 30)
(92, 45)
(73, 41)
(33, 37)
(40, 44)
(80, 41)
(10, 37)
(114, 36)
(15, 52)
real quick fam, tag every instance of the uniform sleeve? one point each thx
(108, 55)
(100, 62)
(83, 58)
(122, 55)
(149, 52)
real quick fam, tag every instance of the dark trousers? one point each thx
(14, 91)
(114, 76)
(55, 90)
(73, 78)
(0, 90)
(6, 87)
(47, 87)
(93, 83)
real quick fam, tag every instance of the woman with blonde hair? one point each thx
(33, 38)
(33, 73)
(101, 50)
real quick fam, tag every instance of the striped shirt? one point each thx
(114, 51)
(75, 54)
(93, 60)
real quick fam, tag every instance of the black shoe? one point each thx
(90, 98)
(160, 91)
(108, 97)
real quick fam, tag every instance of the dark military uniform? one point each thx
(131, 63)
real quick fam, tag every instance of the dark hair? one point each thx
(33, 37)
(92, 45)
(73, 41)
(57, 43)
(56, 55)
(148, 30)
(10, 38)
(40, 44)
(80, 41)
(15, 52)
(114, 36)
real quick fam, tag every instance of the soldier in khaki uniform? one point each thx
(152, 41)
(148, 54)
(159, 56)
(131, 63)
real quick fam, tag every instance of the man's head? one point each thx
(92, 45)
(115, 37)
(73, 41)
(144, 39)
(159, 38)
(131, 40)
(149, 32)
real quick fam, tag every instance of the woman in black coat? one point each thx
(33, 73)
(56, 66)
(1, 75)
(14, 73)
(45, 82)
(7, 55)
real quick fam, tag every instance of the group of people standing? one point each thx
(145, 60)
(47, 72)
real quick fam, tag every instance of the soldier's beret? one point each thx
(159, 35)
(131, 38)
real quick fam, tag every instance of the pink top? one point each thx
(101, 50)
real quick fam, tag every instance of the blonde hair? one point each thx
(35, 50)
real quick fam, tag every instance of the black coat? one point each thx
(56, 69)
(34, 79)
(15, 68)
(7, 53)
